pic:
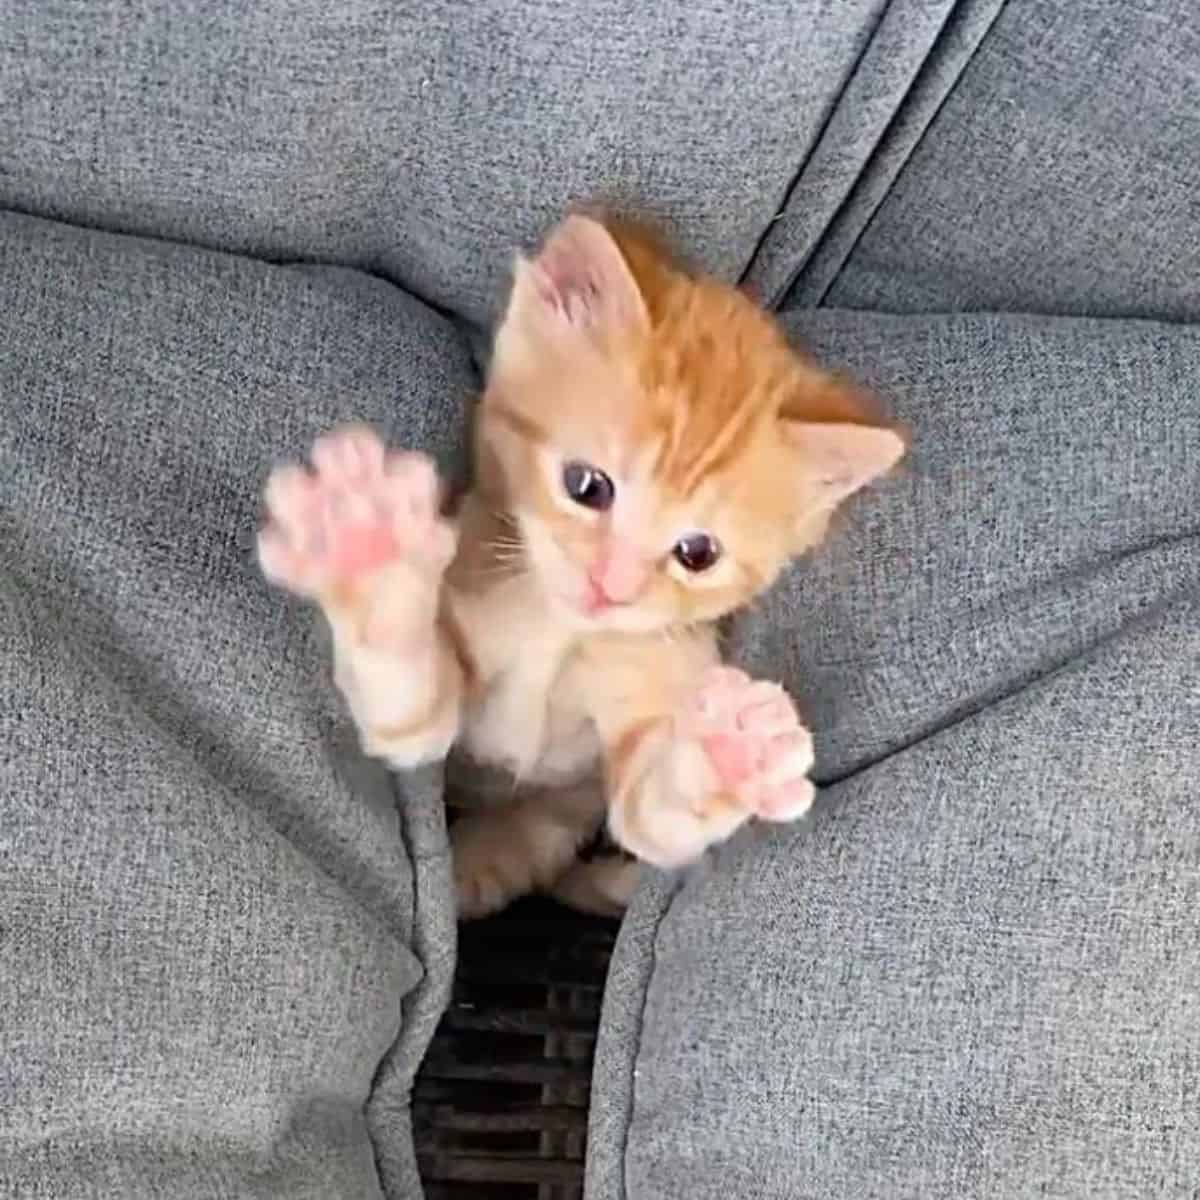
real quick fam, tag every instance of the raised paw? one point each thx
(753, 741)
(359, 508)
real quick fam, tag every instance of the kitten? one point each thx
(649, 454)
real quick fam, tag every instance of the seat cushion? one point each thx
(973, 970)
(425, 141)
(225, 936)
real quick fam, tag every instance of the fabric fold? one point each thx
(914, 56)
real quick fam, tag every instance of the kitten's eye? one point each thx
(588, 486)
(697, 551)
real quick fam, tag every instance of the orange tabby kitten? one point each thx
(650, 452)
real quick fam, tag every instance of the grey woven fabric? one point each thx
(1061, 175)
(904, 74)
(212, 911)
(224, 937)
(974, 971)
(426, 141)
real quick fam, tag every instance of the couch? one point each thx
(226, 938)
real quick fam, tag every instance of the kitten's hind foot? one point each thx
(501, 855)
(602, 887)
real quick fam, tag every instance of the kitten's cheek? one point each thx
(549, 567)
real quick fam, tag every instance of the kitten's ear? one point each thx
(839, 458)
(578, 281)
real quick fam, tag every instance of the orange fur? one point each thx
(707, 386)
(572, 646)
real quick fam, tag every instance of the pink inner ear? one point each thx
(568, 288)
(581, 276)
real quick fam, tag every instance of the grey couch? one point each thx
(225, 938)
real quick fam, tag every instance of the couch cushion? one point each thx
(973, 971)
(213, 910)
(425, 141)
(1061, 175)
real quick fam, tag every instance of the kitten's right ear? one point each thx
(578, 282)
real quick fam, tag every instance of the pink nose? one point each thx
(616, 579)
(599, 596)
(596, 598)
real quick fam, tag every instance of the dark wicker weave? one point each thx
(501, 1102)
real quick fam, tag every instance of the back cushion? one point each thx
(1060, 176)
(421, 141)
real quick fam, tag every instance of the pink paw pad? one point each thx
(754, 742)
(358, 508)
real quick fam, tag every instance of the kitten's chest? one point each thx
(531, 718)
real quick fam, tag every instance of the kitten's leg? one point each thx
(361, 535)
(736, 750)
(504, 853)
(603, 887)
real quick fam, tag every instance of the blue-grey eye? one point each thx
(588, 485)
(696, 551)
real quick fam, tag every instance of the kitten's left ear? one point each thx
(840, 458)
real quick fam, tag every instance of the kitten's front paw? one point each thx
(359, 508)
(752, 742)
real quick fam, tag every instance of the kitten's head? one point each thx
(661, 446)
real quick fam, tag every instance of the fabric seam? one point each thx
(951, 88)
(785, 199)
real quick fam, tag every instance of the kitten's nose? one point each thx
(598, 596)
(616, 578)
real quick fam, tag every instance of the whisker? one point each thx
(497, 570)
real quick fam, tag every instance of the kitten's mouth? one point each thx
(584, 603)
(593, 601)
(576, 601)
